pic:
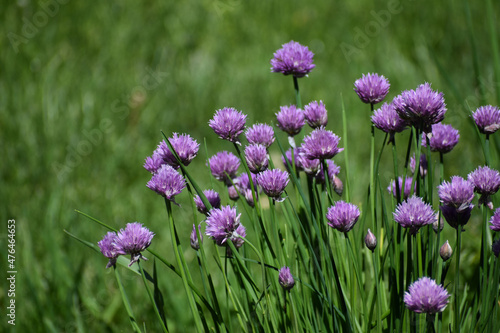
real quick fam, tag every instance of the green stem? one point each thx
(163, 325)
(297, 92)
(126, 302)
(457, 282)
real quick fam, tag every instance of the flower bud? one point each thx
(286, 279)
(446, 252)
(370, 240)
(195, 243)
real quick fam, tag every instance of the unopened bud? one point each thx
(446, 252)
(370, 240)
(233, 194)
(195, 243)
(437, 223)
(338, 186)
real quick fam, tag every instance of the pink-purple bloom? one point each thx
(228, 124)
(285, 278)
(184, 145)
(290, 119)
(414, 213)
(495, 220)
(342, 216)
(487, 119)
(388, 120)
(316, 114)
(243, 186)
(273, 183)
(293, 59)
(108, 249)
(133, 240)
(260, 134)
(213, 199)
(223, 224)
(443, 138)
(421, 107)
(167, 182)
(288, 158)
(224, 166)
(486, 182)
(456, 198)
(423, 165)
(407, 187)
(425, 296)
(256, 158)
(332, 172)
(372, 88)
(321, 144)
(153, 162)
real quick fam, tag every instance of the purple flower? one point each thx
(133, 240)
(321, 144)
(223, 166)
(256, 157)
(388, 120)
(310, 167)
(185, 147)
(421, 107)
(333, 171)
(487, 119)
(495, 220)
(242, 185)
(290, 119)
(223, 224)
(372, 88)
(260, 134)
(108, 249)
(294, 59)
(228, 124)
(370, 240)
(407, 191)
(167, 182)
(213, 199)
(195, 242)
(425, 296)
(315, 114)
(273, 182)
(153, 163)
(285, 278)
(423, 165)
(342, 216)
(486, 182)
(443, 138)
(456, 198)
(495, 248)
(414, 213)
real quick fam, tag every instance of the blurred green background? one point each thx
(86, 88)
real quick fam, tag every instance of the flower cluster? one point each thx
(293, 59)
(456, 198)
(425, 296)
(223, 224)
(372, 88)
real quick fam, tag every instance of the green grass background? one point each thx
(87, 69)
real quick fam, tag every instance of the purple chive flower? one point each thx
(167, 182)
(285, 278)
(256, 157)
(195, 242)
(290, 119)
(370, 240)
(414, 213)
(260, 134)
(388, 120)
(288, 156)
(153, 163)
(223, 166)
(108, 249)
(184, 145)
(446, 251)
(294, 59)
(342, 216)
(133, 240)
(315, 114)
(310, 167)
(425, 296)
(372, 88)
(332, 172)
(456, 198)
(321, 144)
(407, 190)
(213, 199)
(228, 124)
(495, 220)
(242, 184)
(443, 138)
(487, 119)
(486, 182)
(273, 183)
(423, 165)
(495, 248)
(223, 224)
(421, 107)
